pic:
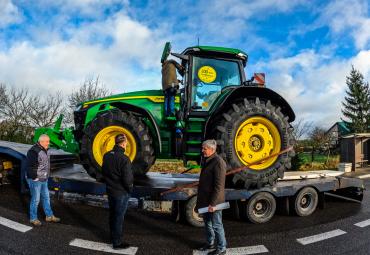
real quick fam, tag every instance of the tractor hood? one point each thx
(152, 95)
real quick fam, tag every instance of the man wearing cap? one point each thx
(119, 179)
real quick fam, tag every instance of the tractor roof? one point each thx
(218, 50)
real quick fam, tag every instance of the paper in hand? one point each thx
(222, 206)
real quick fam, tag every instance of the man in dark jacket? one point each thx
(38, 171)
(211, 192)
(119, 182)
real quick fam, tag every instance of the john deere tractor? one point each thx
(248, 121)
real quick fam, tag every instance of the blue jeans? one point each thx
(37, 189)
(117, 209)
(215, 229)
(169, 101)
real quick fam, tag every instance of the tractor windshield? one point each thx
(209, 77)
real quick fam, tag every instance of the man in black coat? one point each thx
(211, 192)
(119, 179)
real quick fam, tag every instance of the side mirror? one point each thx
(166, 51)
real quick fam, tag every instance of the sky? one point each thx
(305, 48)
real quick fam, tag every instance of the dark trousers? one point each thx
(169, 101)
(117, 209)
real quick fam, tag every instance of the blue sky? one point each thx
(306, 48)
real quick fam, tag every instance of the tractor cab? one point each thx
(208, 72)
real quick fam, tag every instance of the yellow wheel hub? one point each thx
(104, 142)
(257, 138)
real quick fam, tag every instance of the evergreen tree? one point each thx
(356, 105)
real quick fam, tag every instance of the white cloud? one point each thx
(130, 62)
(348, 16)
(313, 84)
(9, 13)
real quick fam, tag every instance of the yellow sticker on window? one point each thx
(207, 74)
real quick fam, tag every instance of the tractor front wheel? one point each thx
(100, 135)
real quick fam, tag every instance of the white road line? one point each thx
(14, 225)
(363, 224)
(321, 237)
(104, 247)
(364, 176)
(239, 251)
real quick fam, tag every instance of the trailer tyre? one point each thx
(191, 216)
(305, 202)
(99, 138)
(261, 207)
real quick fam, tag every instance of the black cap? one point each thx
(120, 139)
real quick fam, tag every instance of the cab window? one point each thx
(209, 77)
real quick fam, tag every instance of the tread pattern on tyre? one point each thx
(145, 152)
(224, 132)
(189, 208)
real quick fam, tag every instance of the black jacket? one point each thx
(211, 189)
(117, 172)
(38, 163)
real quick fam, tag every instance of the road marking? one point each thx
(239, 250)
(104, 247)
(363, 224)
(364, 176)
(14, 225)
(321, 237)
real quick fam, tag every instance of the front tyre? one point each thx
(99, 138)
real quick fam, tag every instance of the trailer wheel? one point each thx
(306, 201)
(192, 217)
(261, 207)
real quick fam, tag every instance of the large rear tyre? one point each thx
(99, 137)
(251, 130)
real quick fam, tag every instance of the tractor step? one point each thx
(193, 142)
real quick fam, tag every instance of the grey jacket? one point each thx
(38, 163)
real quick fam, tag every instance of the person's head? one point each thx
(209, 147)
(121, 140)
(44, 141)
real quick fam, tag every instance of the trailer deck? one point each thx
(69, 178)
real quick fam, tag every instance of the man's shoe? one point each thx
(121, 246)
(52, 219)
(36, 223)
(207, 247)
(217, 252)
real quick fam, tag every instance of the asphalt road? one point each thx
(155, 233)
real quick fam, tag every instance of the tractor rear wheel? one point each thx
(252, 130)
(99, 138)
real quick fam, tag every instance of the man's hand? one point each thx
(211, 208)
(36, 180)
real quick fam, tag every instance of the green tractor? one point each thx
(248, 121)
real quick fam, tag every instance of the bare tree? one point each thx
(3, 96)
(89, 90)
(319, 140)
(45, 110)
(302, 128)
(21, 112)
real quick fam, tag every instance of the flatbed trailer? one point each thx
(298, 192)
